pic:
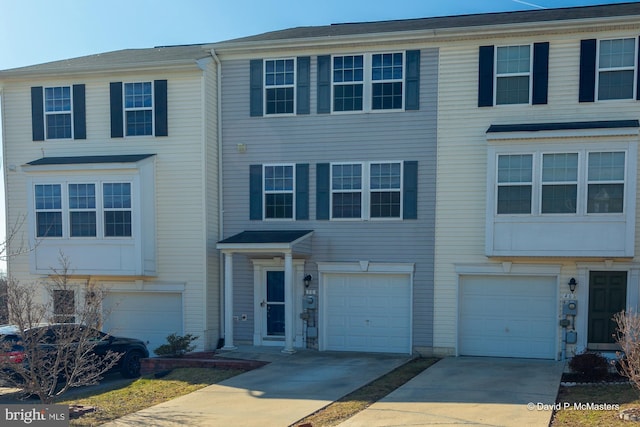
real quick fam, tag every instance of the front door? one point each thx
(274, 304)
(607, 296)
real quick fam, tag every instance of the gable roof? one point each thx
(445, 22)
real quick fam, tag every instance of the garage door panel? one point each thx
(508, 316)
(367, 312)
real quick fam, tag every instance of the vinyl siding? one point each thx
(180, 180)
(462, 155)
(314, 139)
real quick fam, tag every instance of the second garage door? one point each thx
(508, 316)
(149, 316)
(366, 312)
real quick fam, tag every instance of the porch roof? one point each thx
(263, 240)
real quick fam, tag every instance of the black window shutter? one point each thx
(117, 126)
(412, 101)
(303, 88)
(410, 190)
(540, 73)
(587, 91)
(255, 192)
(255, 88)
(37, 113)
(160, 107)
(485, 76)
(324, 85)
(79, 113)
(302, 191)
(323, 192)
(638, 73)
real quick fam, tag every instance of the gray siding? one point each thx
(312, 139)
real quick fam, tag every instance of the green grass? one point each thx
(623, 395)
(145, 392)
(364, 397)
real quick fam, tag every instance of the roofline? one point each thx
(432, 34)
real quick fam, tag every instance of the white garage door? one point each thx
(366, 312)
(508, 316)
(149, 316)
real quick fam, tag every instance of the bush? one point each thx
(593, 366)
(177, 346)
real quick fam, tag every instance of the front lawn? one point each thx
(604, 401)
(145, 392)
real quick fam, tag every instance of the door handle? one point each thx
(263, 303)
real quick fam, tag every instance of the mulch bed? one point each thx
(576, 378)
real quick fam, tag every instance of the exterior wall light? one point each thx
(307, 280)
(572, 284)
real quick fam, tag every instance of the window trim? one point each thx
(634, 67)
(582, 183)
(368, 82)
(54, 113)
(528, 74)
(125, 110)
(292, 192)
(66, 210)
(293, 86)
(366, 191)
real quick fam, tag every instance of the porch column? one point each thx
(228, 302)
(288, 304)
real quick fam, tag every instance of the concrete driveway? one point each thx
(470, 391)
(278, 394)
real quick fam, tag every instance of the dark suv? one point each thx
(132, 350)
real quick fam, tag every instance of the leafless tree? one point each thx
(628, 337)
(47, 362)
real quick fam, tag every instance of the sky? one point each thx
(39, 31)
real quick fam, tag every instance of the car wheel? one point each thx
(131, 365)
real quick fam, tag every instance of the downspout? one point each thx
(220, 187)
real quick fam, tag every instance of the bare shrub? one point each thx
(628, 337)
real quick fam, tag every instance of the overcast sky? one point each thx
(38, 31)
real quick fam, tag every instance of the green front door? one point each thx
(607, 296)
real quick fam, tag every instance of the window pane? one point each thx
(346, 177)
(58, 126)
(515, 168)
(117, 195)
(559, 198)
(48, 196)
(346, 205)
(82, 196)
(83, 224)
(117, 223)
(278, 178)
(348, 69)
(137, 95)
(280, 101)
(560, 167)
(57, 99)
(606, 166)
(617, 53)
(605, 198)
(139, 122)
(615, 85)
(385, 175)
(514, 199)
(279, 205)
(385, 204)
(512, 90)
(386, 96)
(387, 66)
(49, 224)
(347, 97)
(513, 59)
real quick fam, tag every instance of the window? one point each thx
(556, 186)
(48, 204)
(368, 82)
(64, 306)
(117, 209)
(83, 210)
(616, 69)
(366, 190)
(278, 191)
(513, 71)
(57, 110)
(138, 108)
(279, 78)
(348, 82)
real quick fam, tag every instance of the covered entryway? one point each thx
(149, 316)
(508, 316)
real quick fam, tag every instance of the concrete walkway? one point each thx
(278, 394)
(470, 391)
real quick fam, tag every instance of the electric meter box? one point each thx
(570, 307)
